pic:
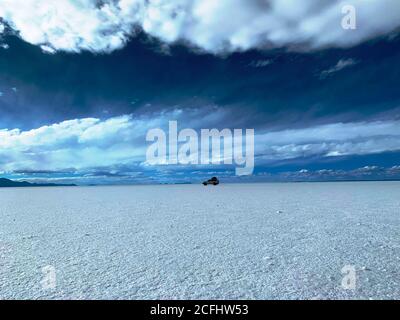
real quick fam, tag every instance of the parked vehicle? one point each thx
(214, 181)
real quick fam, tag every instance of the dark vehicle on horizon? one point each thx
(214, 181)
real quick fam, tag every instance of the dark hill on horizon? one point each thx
(7, 183)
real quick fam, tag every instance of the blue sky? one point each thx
(81, 82)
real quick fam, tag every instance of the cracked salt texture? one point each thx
(191, 242)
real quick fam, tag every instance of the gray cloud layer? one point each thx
(213, 26)
(330, 140)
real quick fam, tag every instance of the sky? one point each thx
(83, 81)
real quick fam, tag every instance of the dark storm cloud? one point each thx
(52, 88)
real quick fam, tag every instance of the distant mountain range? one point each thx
(4, 183)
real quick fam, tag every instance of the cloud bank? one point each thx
(90, 142)
(120, 141)
(209, 25)
(330, 140)
(360, 174)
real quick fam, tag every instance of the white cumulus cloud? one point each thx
(90, 142)
(210, 25)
